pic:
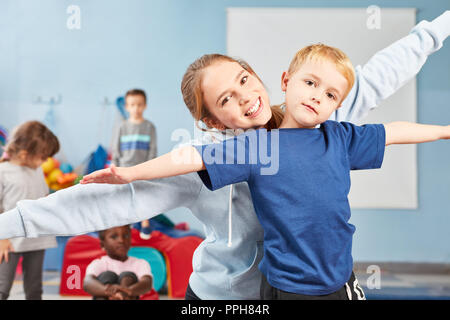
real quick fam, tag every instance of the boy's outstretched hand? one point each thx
(112, 175)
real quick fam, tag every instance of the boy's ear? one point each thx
(284, 81)
(213, 123)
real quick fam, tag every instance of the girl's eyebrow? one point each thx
(235, 79)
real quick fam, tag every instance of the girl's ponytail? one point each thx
(277, 117)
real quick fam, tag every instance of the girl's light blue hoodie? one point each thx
(219, 271)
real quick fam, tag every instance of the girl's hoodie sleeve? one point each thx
(389, 69)
(87, 208)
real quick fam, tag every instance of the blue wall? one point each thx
(149, 44)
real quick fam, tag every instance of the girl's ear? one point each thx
(22, 155)
(213, 123)
(284, 81)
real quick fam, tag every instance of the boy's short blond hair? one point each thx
(321, 51)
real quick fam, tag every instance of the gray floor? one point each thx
(51, 289)
(392, 286)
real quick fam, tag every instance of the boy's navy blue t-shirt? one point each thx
(299, 180)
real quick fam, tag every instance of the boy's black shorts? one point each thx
(350, 291)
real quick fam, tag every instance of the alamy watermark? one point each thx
(74, 280)
(74, 20)
(252, 147)
(374, 18)
(374, 280)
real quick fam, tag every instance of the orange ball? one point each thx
(56, 162)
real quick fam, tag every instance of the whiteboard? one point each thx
(268, 38)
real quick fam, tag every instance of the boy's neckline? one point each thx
(287, 129)
(136, 121)
(118, 259)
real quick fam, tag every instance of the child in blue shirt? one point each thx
(300, 191)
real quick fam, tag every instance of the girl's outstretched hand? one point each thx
(112, 175)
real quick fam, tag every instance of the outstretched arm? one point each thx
(179, 161)
(389, 69)
(86, 208)
(408, 132)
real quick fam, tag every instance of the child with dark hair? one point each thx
(135, 140)
(21, 177)
(117, 276)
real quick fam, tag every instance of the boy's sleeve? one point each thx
(153, 144)
(115, 150)
(389, 69)
(143, 269)
(94, 268)
(226, 163)
(365, 145)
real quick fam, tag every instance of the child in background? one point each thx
(303, 205)
(135, 140)
(21, 177)
(117, 276)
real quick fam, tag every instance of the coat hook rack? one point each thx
(49, 101)
(106, 102)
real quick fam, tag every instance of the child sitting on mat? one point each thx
(117, 276)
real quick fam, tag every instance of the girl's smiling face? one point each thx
(235, 98)
(313, 93)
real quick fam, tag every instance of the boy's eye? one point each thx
(331, 96)
(309, 82)
(244, 79)
(225, 100)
